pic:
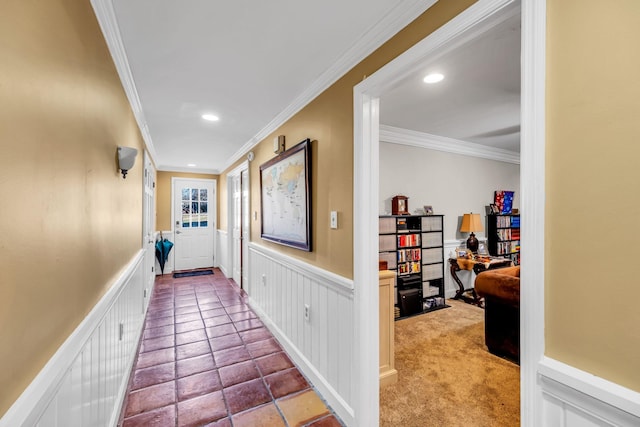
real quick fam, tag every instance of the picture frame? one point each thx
(428, 210)
(285, 197)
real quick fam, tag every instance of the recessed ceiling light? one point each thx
(210, 117)
(433, 78)
(191, 165)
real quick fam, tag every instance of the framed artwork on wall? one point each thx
(285, 197)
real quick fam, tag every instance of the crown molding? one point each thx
(401, 16)
(106, 16)
(414, 138)
(166, 168)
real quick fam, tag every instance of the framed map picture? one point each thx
(285, 197)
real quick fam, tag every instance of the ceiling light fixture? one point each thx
(210, 117)
(191, 165)
(433, 78)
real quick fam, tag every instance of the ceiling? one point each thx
(479, 99)
(254, 65)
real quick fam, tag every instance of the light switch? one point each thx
(334, 219)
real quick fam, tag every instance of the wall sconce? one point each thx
(126, 159)
(278, 144)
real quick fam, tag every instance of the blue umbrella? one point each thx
(163, 247)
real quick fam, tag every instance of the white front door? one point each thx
(194, 220)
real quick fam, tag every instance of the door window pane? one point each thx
(203, 194)
(186, 193)
(194, 194)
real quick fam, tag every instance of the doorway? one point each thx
(366, 204)
(148, 227)
(194, 219)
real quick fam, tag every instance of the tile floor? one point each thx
(206, 360)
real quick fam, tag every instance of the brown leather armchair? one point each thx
(501, 291)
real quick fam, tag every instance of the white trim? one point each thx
(412, 138)
(378, 34)
(567, 389)
(28, 408)
(476, 19)
(335, 281)
(106, 17)
(612, 394)
(164, 168)
(532, 202)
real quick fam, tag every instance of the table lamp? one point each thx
(470, 223)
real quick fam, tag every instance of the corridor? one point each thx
(205, 359)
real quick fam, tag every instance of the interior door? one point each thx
(236, 234)
(244, 256)
(148, 227)
(194, 218)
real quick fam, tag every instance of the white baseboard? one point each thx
(72, 389)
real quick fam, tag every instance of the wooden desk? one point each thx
(459, 264)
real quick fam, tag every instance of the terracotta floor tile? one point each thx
(238, 373)
(154, 314)
(160, 331)
(246, 395)
(208, 306)
(187, 309)
(191, 336)
(244, 325)
(218, 331)
(206, 313)
(230, 356)
(243, 315)
(156, 357)
(274, 363)
(300, 409)
(217, 321)
(329, 421)
(189, 326)
(283, 383)
(188, 317)
(194, 365)
(153, 375)
(264, 347)
(237, 308)
(160, 321)
(192, 350)
(149, 398)
(226, 341)
(262, 416)
(157, 343)
(186, 302)
(201, 410)
(255, 335)
(225, 422)
(198, 385)
(157, 418)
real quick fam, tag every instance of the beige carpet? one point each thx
(446, 376)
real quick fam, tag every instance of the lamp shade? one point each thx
(471, 223)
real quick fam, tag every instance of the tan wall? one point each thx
(593, 149)
(163, 195)
(328, 121)
(70, 223)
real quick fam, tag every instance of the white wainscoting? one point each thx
(223, 252)
(84, 383)
(322, 346)
(574, 398)
(168, 266)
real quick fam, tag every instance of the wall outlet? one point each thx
(333, 219)
(307, 309)
(264, 280)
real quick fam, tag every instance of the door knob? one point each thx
(178, 232)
